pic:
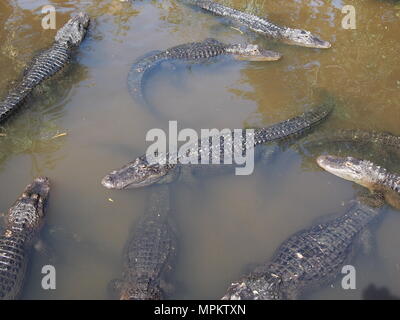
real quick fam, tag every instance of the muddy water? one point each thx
(85, 124)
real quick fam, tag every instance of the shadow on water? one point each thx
(378, 293)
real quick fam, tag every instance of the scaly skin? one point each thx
(308, 260)
(195, 52)
(263, 26)
(23, 223)
(365, 173)
(47, 63)
(147, 170)
(149, 252)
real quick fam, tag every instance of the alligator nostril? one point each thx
(107, 181)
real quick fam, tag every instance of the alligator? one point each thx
(195, 52)
(310, 259)
(23, 224)
(263, 26)
(365, 173)
(150, 252)
(46, 64)
(147, 170)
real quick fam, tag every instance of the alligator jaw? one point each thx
(253, 53)
(348, 168)
(304, 38)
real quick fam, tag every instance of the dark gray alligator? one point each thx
(310, 259)
(23, 223)
(150, 251)
(149, 169)
(263, 26)
(366, 174)
(195, 52)
(47, 63)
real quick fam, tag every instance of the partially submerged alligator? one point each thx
(47, 63)
(365, 173)
(263, 26)
(310, 259)
(150, 252)
(23, 223)
(382, 139)
(147, 170)
(195, 52)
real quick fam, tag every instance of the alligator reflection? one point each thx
(35, 131)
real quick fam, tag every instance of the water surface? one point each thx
(85, 124)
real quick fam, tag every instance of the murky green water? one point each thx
(229, 222)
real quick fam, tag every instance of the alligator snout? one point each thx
(40, 186)
(109, 182)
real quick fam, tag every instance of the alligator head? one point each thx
(254, 53)
(359, 171)
(28, 210)
(74, 31)
(303, 38)
(136, 174)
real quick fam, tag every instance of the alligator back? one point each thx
(288, 129)
(308, 260)
(24, 221)
(46, 64)
(255, 23)
(150, 251)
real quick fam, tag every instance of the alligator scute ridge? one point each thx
(23, 224)
(150, 251)
(46, 64)
(194, 52)
(310, 259)
(146, 170)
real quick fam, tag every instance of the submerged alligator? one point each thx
(383, 139)
(195, 52)
(366, 174)
(47, 63)
(310, 259)
(263, 26)
(147, 170)
(150, 252)
(23, 223)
